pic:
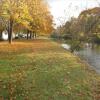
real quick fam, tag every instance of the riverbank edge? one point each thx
(93, 73)
(89, 68)
(82, 60)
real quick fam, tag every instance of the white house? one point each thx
(4, 35)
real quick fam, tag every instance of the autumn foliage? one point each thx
(30, 16)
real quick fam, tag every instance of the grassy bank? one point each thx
(42, 70)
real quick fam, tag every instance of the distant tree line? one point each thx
(85, 28)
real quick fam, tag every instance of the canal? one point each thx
(92, 57)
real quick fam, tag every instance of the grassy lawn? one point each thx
(42, 70)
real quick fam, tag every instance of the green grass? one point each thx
(42, 70)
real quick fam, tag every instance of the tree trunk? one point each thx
(0, 35)
(27, 34)
(35, 35)
(10, 29)
(30, 35)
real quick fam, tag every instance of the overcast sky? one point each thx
(62, 10)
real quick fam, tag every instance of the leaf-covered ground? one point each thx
(42, 70)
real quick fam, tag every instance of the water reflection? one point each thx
(92, 56)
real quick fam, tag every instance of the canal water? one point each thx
(92, 57)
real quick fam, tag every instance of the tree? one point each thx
(41, 17)
(89, 21)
